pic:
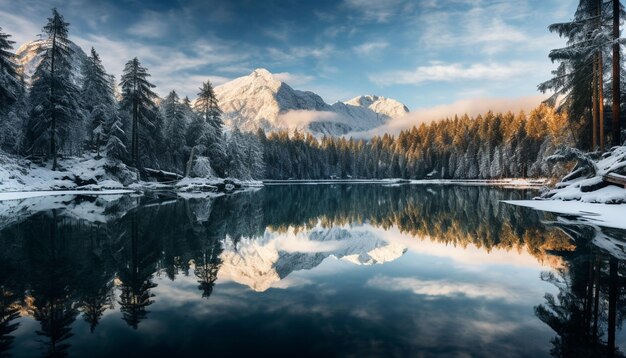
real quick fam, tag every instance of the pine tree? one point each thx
(116, 138)
(578, 78)
(138, 98)
(9, 81)
(208, 108)
(98, 98)
(55, 99)
(175, 129)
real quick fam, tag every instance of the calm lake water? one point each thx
(308, 270)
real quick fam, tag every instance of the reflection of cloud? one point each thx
(292, 282)
(441, 288)
(472, 107)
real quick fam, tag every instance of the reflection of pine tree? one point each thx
(95, 292)
(96, 298)
(52, 287)
(207, 265)
(56, 316)
(136, 277)
(584, 312)
(175, 228)
(9, 311)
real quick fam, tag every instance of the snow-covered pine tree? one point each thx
(99, 100)
(138, 99)
(245, 155)
(207, 107)
(10, 84)
(13, 102)
(576, 77)
(116, 137)
(55, 99)
(175, 130)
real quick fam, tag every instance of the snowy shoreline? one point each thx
(606, 215)
(506, 183)
(19, 195)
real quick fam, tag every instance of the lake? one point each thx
(361, 270)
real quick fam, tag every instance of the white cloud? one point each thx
(151, 25)
(294, 54)
(454, 72)
(170, 68)
(370, 48)
(20, 28)
(302, 118)
(488, 26)
(293, 79)
(381, 10)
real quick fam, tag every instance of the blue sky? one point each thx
(427, 54)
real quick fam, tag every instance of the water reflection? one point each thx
(591, 302)
(63, 258)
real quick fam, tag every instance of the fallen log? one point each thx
(616, 179)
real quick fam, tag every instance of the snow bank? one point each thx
(81, 172)
(593, 213)
(505, 183)
(18, 195)
(87, 175)
(213, 184)
(592, 187)
(585, 193)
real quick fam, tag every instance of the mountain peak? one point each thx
(30, 54)
(262, 72)
(379, 104)
(261, 100)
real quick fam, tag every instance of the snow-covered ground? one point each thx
(587, 183)
(21, 179)
(505, 183)
(586, 193)
(594, 213)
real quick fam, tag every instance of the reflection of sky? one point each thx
(435, 300)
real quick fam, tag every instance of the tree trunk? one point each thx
(616, 76)
(53, 119)
(594, 105)
(601, 102)
(135, 136)
(190, 162)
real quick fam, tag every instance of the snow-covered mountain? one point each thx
(262, 262)
(378, 104)
(260, 100)
(29, 56)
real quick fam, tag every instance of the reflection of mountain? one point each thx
(63, 262)
(261, 262)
